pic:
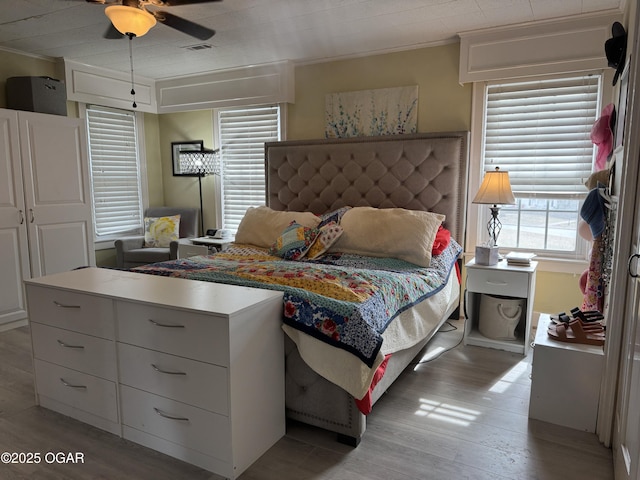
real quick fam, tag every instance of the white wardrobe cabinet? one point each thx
(45, 203)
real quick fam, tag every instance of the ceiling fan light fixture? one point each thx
(130, 20)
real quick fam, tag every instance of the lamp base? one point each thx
(487, 256)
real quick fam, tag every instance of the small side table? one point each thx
(191, 247)
(504, 280)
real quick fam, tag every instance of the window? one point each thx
(539, 131)
(115, 172)
(242, 135)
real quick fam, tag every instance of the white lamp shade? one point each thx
(495, 189)
(130, 19)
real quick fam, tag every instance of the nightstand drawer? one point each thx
(190, 250)
(498, 282)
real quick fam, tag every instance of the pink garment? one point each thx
(602, 136)
(594, 288)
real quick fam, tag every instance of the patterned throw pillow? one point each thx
(294, 242)
(160, 231)
(333, 217)
(328, 235)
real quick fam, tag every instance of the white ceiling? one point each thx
(251, 32)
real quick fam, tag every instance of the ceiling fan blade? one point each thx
(175, 3)
(184, 25)
(111, 33)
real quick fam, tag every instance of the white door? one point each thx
(57, 192)
(626, 435)
(14, 257)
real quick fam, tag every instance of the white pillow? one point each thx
(389, 232)
(261, 226)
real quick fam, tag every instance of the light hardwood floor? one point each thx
(462, 415)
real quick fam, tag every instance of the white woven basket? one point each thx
(499, 316)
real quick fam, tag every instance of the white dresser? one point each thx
(192, 369)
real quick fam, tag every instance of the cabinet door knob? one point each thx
(629, 265)
(32, 216)
(21, 216)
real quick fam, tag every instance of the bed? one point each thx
(333, 378)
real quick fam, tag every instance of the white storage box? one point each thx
(499, 316)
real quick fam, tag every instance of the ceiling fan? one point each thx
(131, 18)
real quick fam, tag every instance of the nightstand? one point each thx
(191, 247)
(517, 282)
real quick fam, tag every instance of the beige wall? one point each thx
(443, 104)
(183, 191)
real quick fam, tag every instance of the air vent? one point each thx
(199, 46)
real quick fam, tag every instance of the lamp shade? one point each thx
(199, 162)
(495, 189)
(130, 20)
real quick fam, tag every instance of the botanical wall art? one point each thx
(384, 111)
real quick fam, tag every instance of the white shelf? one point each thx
(474, 337)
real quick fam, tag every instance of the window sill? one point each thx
(552, 264)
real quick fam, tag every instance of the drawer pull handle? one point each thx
(66, 345)
(497, 284)
(166, 325)
(62, 305)
(171, 417)
(167, 371)
(70, 385)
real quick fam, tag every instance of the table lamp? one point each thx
(495, 190)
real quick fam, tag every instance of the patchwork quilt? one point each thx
(343, 299)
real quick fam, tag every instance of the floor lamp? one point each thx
(199, 163)
(495, 190)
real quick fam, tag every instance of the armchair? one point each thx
(131, 252)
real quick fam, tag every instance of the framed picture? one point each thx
(176, 147)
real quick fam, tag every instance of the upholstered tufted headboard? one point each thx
(424, 171)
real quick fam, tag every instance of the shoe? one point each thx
(574, 332)
(588, 316)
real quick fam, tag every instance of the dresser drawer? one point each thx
(76, 389)
(191, 427)
(78, 351)
(200, 384)
(72, 311)
(498, 282)
(187, 334)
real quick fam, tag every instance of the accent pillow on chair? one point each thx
(161, 231)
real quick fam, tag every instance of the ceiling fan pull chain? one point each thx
(133, 91)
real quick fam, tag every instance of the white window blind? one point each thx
(115, 172)
(540, 132)
(243, 133)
